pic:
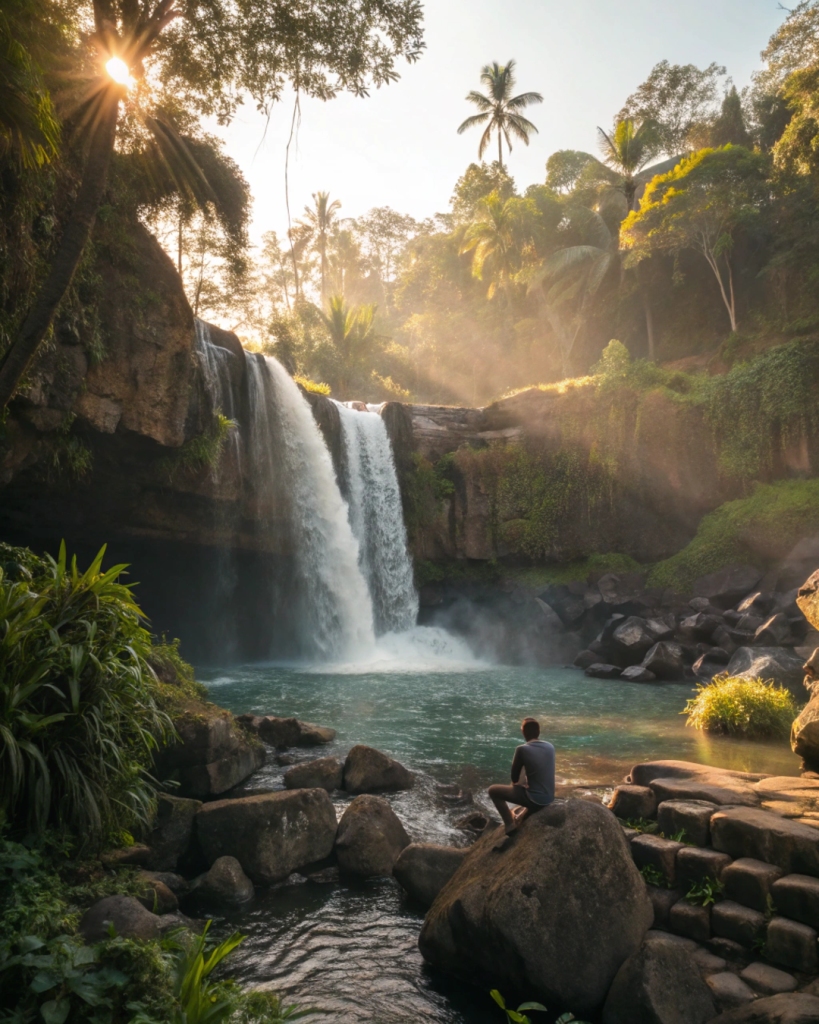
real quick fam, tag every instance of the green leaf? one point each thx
(518, 1018)
(55, 1011)
(498, 998)
(532, 1006)
(45, 980)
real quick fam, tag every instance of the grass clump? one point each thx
(202, 451)
(738, 706)
(315, 387)
(768, 522)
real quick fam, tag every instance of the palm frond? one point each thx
(525, 99)
(481, 102)
(471, 121)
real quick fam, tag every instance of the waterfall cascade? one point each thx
(377, 520)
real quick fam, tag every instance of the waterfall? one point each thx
(286, 456)
(217, 363)
(377, 520)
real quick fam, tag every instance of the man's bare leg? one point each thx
(499, 795)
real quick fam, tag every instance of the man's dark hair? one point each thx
(531, 728)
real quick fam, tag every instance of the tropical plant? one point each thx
(499, 110)
(740, 706)
(705, 891)
(78, 718)
(516, 1016)
(491, 239)
(653, 876)
(352, 333)
(318, 224)
(627, 150)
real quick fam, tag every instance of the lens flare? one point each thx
(118, 70)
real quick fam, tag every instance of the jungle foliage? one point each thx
(737, 706)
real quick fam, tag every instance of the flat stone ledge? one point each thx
(762, 835)
(792, 945)
(749, 882)
(767, 980)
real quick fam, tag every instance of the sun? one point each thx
(119, 71)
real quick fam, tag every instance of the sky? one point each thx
(400, 146)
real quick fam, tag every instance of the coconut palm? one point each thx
(626, 151)
(352, 332)
(318, 223)
(491, 239)
(499, 110)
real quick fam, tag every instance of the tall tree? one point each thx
(499, 110)
(352, 334)
(491, 240)
(626, 151)
(216, 53)
(729, 128)
(319, 221)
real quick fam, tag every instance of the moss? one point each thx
(425, 488)
(569, 572)
(456, 571)
(757, 529)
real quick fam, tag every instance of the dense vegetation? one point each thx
(737, 706)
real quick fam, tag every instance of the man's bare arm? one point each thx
(517, 766)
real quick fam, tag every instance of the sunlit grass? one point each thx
(558, 387)
(739, 706)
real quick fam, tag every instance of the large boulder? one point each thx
(323, 773)
(553, 910)
(423, 869)
(777, 663)
(370, 838)
(788, 1008)
(367, 770)
(805, 734)
(659, 984)
(225, 882)
(631, 640)
(808, 599)
(127, 916)
(291, 732)
(172, 830)
(665, 661)
(209, 780)
(728, 586)
(272, 834)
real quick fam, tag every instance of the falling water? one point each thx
(377, 520)
(286, 455)
(216, 363)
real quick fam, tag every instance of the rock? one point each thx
(586, 658)
(775, 632)
(662, 900)
(284, 759)
(630, 802)
(217, 777)
(749, 623)
(749, 882)
(631, 640)
(797, 897)
(367, 770)
(759, 603)
(290, 732)
(156, 896)
(476, 823)
(808, 600)
(694, 816)
(724, 588)
(170, 923)
(699, 604)
(203, 738)
(792, 945)
(130, 920)
(172, 830)
(553, 910)
(792, 1008)
(729, 950)
(691, 921)
(722, 637)
(637, 674)
(659, 984)
(707, 962)
(700, 626)
(684, 780)
(178, 885)
(226, 882)
(137, 855)
(370, 838)
(665, 660)
(695, 863)
(777, 663)
(423, 869)
(731, 920)
(748, 832)
(602, 671)
(805, 734)
(271, 835)
(729, 991)
(655, 852)
(767, 980)
(323, 773)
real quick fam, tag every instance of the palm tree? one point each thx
(500, 109)
(627, 150)
(491, 239)
(318, 222)
(352, 332)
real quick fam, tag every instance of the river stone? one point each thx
(637, 674)
(631, 640)
(323, 773)
(367, 770)
(291, 732)
(370, 838)
(553, 910)
(659, 984)
(226, 882)
(777, 663)
(805, 734)
(271, 835)
(789, 1008)
(129, 918)
(665, 660)
(423, 869)
(172, 830)
(729, 991)
(629, 802)
(156, 896)
(217, 777)
(728, 586)
(600, 670)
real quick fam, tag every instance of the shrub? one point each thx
(738, 706)
(78, 717)
(204, 451)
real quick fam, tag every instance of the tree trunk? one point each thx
(70, 249)
(729, 302)
(179, 248)
(733, 309)
(500, 150)
(652, 355)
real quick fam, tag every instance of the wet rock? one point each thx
(662, 900)
(284, 759)
(217, 777)
(553, 910)
(370, 838)
(791, 1008)
(659, 984)
(665, 660)
(630, 802)
(728, 586)
(156, 896)
(137, 855)
(805, 731)
(631, 640)
(271, 835)
(767, 980)
(476, 823)
(130, 920)
(777, 663)
(423, 869)
(291, 732)
(692, 816)
(226, 882)
(637, 674)
(203, 739)
(603, 671)
(586, 658)
(172, 830)
(323, 773)
(178, 885)
(729, 991)
(367, 770)
(749, 882)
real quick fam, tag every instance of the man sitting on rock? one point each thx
(537, 758)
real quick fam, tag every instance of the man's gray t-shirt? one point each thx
(538, 758)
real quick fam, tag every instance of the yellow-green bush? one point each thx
(738, 706)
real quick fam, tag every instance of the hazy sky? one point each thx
(399, 147)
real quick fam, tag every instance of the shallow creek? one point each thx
(353, 949)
